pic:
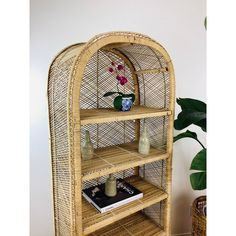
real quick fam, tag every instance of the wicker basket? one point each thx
(199, 219)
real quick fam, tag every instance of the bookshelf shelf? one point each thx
(94, 220)
(78, 78)
(137, 224)
(118, 158)
(103, 115)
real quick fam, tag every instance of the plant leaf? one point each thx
(186, 134)
(199, 161)
(198, 180)
(192, 104)
(202, 124)
(120, 93)
(192, 115)
(117, 102)
(111, 93)
(187, 117)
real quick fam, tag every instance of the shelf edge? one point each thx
(110, 170)
(101, 120)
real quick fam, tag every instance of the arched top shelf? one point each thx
(148, 64)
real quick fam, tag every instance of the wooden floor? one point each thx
(137, 224)
(93, 220)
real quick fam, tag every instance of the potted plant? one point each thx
(122, 102)
(194, 112)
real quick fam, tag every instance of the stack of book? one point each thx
(125, 193)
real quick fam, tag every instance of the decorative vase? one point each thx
(110, 186)
(87, 147)
(126, 104)
(144, 142)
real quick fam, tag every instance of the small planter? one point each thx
(126, 104)
(123, 102)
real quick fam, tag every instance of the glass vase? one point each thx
(87, 147)
(144, 142)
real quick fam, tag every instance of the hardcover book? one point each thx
(125, 193)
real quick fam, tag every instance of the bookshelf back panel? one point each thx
(121, 132)
(110, 134)
(156, 213)
(121, 174)
(98, 80)
(154, 173)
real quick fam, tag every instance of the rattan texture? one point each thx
(57, 97)
(78, 79)
(199, 220)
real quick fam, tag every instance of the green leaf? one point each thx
(117, 102)
(205, 22)
(199, 161)
(186, 134)
(192, 104)
(111, 93)
(187, 117)
(193, 112)
(193, 116)
(198, 180)
(202, 124)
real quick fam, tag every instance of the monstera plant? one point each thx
(193, 113)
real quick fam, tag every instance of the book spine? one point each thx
(91, 202)
(125, 201)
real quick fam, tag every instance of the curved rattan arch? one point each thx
(106, 41)
(77, 75)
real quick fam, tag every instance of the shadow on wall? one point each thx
(182, 214)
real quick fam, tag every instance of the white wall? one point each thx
(55, 24)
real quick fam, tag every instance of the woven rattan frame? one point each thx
(77, 80)
(198, 218)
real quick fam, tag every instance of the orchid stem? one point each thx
(117, 86)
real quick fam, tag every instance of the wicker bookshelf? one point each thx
(78, 78)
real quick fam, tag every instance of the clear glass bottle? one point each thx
(87, 147)
(144, 142)
(110, 186)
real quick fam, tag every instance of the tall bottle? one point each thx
(87, 147)
(144, 142)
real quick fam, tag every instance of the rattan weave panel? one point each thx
(60, 153)
(156, 213)
(154, 92)
(121, 174)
